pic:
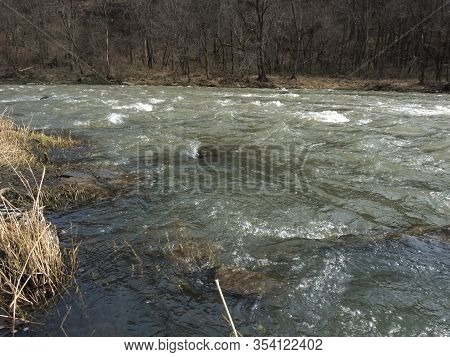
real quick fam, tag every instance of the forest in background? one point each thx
(116, 39)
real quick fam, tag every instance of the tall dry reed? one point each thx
(33, 266)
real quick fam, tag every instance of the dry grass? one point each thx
(64, 196)
(193, 252)
(33, 267)
(22, 146)
(196, 254)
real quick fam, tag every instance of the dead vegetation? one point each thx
(33, 267)
(195, 254)
(64, 187)
(22, 146)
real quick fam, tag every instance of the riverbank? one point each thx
(165, 78)
(34, 265)
(301, 82)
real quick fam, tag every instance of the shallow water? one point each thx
(347, 164)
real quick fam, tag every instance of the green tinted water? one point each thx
(353, 164)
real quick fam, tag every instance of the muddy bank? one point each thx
(161, 78)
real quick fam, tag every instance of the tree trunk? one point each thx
(366, 54)
(205, 53)
(232, 50)
(148, 53)
(107, 55)
(298, 30)
(261, 7)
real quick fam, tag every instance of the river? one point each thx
(296, 186)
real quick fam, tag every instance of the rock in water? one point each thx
(78, 175)
(434, 233)
(246, 283)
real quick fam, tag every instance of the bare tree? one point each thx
(261, 7)
(70, 14)
(389, 38)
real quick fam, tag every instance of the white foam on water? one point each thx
(156, 101)
(143, 138)
(142, 107)
(292, 95)
(319, 230)
(75, 100)
(110, 101)
(425, 163)
(418, 110)
(192, 149)
(364, 121)
(272, 103)
(177, 99)
(442, 109)
(277, 103)
(81, 123)
(324, 229)
(21, 99)
(116, 118)
(169, 109)
(329, 116)
(441, 201)
(225, 102)
(120, 107)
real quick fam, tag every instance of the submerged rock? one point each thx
(77, 175)
(74, 186)
(81, 186)
(423, 232)
(432, 233)
(189, 253)
(108, 174)
(238, 281)
(198, 261)
(114, 178)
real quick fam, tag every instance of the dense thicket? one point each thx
(378, 39)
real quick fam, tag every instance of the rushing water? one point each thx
(360, 165)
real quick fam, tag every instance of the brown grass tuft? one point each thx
(188, 250)
(33, 267)
(22, 146)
